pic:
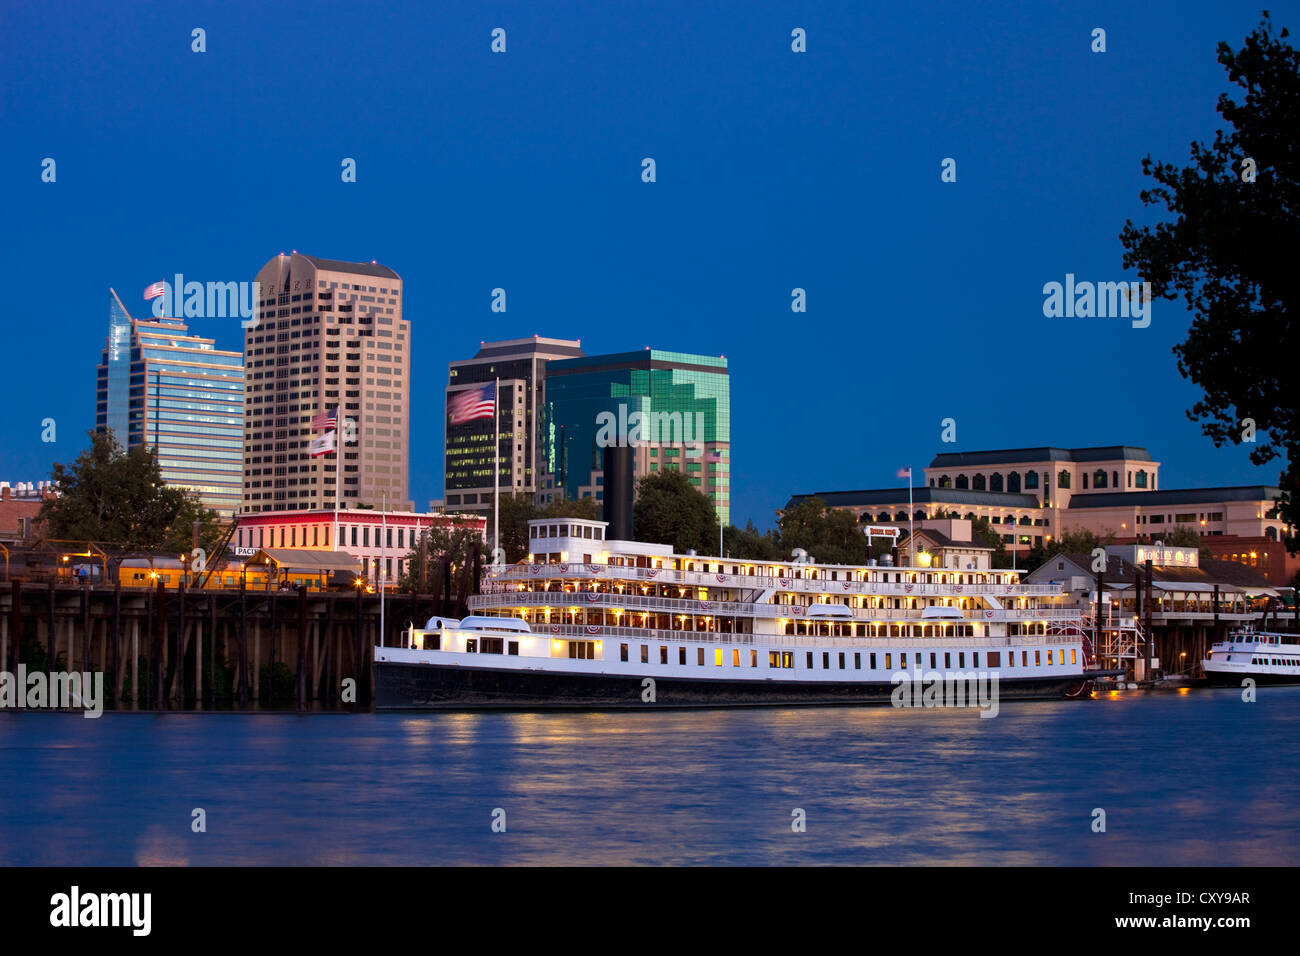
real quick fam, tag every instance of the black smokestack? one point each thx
(619, 490)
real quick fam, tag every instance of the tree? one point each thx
(747, 543)
(588, 508)
(1228, 253)
(518, 510)
(1077, 541)
(830, 535)
(982, 532)
(670, 510)
(844, 541)
(1182, 537)
(112, 495)
(456, 542)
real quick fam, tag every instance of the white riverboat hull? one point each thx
(408, 680)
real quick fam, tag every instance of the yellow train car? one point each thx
(147, 572)
(230, 574)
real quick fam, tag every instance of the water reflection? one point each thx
(1184, 779)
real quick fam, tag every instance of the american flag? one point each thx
(155, 290)
(905, 472)
(328, 419)
(472, 403)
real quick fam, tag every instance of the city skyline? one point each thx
(1234, 472)
(924, 298)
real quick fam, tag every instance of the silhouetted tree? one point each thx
(1229, 252)
(108, 494)
(670, 510)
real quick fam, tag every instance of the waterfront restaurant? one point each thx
(1185, 618)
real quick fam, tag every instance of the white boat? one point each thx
(1266, 657)
(589, 622)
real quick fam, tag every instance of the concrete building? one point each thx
(672, 408)
(1033, 495)
(327, 334)
(472, 446)
(382, 541)
(1017, 517)
(158, 385)
(1246, 510)
(1053, 475)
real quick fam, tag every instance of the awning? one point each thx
(1194, 586)
(1260, 592)
(309, 562)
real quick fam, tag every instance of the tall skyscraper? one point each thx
(520, 364)
(327, 334)
(158, 385)
(674, 408)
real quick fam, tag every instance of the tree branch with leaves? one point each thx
(1229, 251)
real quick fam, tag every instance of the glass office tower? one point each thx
(683, 420)
(473, 447)
(158, 385)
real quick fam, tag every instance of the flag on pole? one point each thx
(905, 472)
(155, 290)
(328, 419)
(324, 444)
(473, 403)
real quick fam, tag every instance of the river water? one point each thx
(1198, 778)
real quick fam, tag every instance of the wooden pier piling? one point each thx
(141, 639)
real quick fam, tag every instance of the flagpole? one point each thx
(911, 522)
(338, 474)
(383, 560)
(496, 473)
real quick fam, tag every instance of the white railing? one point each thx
(605, 631)
(781, 641)
(818, 585)
(606, 600)
(1158, 615)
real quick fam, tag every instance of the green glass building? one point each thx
(673, 408)
(158, 385)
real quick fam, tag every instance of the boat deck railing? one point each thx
(792, 582)
(780, 641)
(613, 600)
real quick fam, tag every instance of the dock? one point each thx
(184, 649)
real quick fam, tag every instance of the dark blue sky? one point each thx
(775, 170)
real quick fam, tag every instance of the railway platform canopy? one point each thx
(288, 563)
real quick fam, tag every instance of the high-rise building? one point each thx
(160, 386)
(471, 450)
(672, 408)
(327, 334)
